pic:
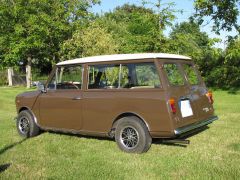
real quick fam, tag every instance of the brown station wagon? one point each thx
(131, 97)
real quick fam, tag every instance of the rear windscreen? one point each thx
(191, 74)
(173, 74)
(176, 76)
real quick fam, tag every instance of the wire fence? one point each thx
(18, 79)
(3, 78)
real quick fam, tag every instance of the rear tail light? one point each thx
(172, 105)
(210, 97)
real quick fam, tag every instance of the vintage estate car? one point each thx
(130, 97)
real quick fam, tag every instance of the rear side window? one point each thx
(103, 76)
(191, 74)
(173, 74)
(139, 75)
(128, 75)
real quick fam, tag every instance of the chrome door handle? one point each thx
(76, 98)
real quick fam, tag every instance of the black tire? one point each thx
(132, 135)
(26, 125)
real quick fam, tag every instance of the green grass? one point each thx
(212, 154)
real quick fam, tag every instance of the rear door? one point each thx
(179, 90)
(197, 90)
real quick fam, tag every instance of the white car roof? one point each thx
(122, 57)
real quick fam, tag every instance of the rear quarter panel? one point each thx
(102, 107)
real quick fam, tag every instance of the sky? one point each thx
(185, 5)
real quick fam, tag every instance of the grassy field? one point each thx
(212, 154)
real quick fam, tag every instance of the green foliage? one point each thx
(136, 29)
(232, 64)
(3, 77)
(37, 28)
(93, 40)
(49, 31)
(112, 75)
(224, 13)
(173, 74)
(187, 39)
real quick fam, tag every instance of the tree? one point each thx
(32, 30)
(232, 63)
(187, 39)
(136, 28)
(224, 13)
(93, 40)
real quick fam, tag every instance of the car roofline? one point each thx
(123, 57)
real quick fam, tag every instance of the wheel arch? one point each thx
(23, 109)
(28, 109)
(126, 114)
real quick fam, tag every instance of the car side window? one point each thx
(191, 74)
(173, 74)
(67, 77)
(103, 76)
(127, 75)
(139, 75)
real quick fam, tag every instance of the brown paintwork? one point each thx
(97, 109)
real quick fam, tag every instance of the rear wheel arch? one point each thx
(23, 109)
(126, 114)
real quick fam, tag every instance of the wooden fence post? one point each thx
(28, 72)
(10, 75)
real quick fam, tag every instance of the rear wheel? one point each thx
(26, 125)
(132, 135)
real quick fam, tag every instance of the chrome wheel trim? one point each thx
(129, 137)
(23, 125)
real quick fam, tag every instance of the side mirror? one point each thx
(40, 87)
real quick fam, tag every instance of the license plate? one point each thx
(186, 109)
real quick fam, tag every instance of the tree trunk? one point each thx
(10, 74)
(28, 72)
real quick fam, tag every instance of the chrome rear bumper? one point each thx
(193, 126)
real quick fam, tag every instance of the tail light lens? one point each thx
(172, 105)
(210, 97)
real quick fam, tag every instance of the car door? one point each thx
(61, 104)
(178, 90)
(198, 91)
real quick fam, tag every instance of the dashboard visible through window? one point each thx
(67, 77)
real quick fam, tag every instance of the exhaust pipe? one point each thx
(178, 141)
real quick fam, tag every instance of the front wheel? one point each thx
(132, 135)
(26, 125)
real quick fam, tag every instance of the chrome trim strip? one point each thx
(190, 127)
(77, 132)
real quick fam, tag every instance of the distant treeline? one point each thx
(42, 33)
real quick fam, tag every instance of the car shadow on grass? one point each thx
(154, 141)
(180, 141)
(4, 167)
(10, 146)
(82, 136)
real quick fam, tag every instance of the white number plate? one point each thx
(186, 109)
